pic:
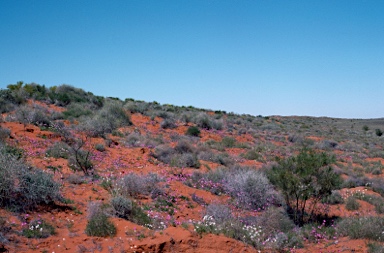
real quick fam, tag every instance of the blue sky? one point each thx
(315, 58)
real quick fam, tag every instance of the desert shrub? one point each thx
(184, 147)
(58, 150)
(228, 142)
(305, 176)
(354, 181)
(362, 228)
(134, 185)
(125, 208)
(275, 220)
(23, 188)
(80, 160)
(40, 116)
(100, 147)
(38, 228)
(333, 199)
(377, 201)
(75, 179)
(168, 123)
(5, 133)
(164, 153)
(134, 140)
(122, 206)
(220, 213)
(193, 131)
(253, 154)
(185, 160)
(38, 187)
(9, 166)
(272, 232)
(377, 185)
(378, 132)
(107, 119)
(7, 101)
(294, 138)
(328, 144)
(183, 155)
(223, 159)
(23, 114)
(204, 121)
(76, 110)
(250, 188)
(98, 221)
(351, 204)
(374, 247)
(64, 95)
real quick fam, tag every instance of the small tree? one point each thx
(379, 132)
(304, 181)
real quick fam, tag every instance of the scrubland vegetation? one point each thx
(273, 183)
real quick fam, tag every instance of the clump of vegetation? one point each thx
(362, 228)
(307, 176)
(193, 131)
(351, 204)
(58, 150)
(100, 147)
(183, 155)
(24, 188)
(98, 221)
(38, 228)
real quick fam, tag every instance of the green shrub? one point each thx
(362, 228)
(98, 222)
(76, 110)
(379, 132)
(303, 177)
(333, 199)
(100, 147)
(58, 150)
(228, 142)
(193, 131)
(38, 229)
(374, 247)
(351, 204)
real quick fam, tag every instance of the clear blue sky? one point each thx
(316, 58)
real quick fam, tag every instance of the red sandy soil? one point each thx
(119, 160)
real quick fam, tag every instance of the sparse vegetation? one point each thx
(265, 181)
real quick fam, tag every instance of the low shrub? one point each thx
(250, 188)
(80, 160)
(98, 221)
(38, 229)
(75, 179)
(362, 228)
(100, 147)
(5, 133)
(168, 123)
(122, 206)
(333, 199)
(193, 131)
(58, 150)
(183, 155)
(23, 188)
(204, 121)
(351, 204)
(134, 185)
